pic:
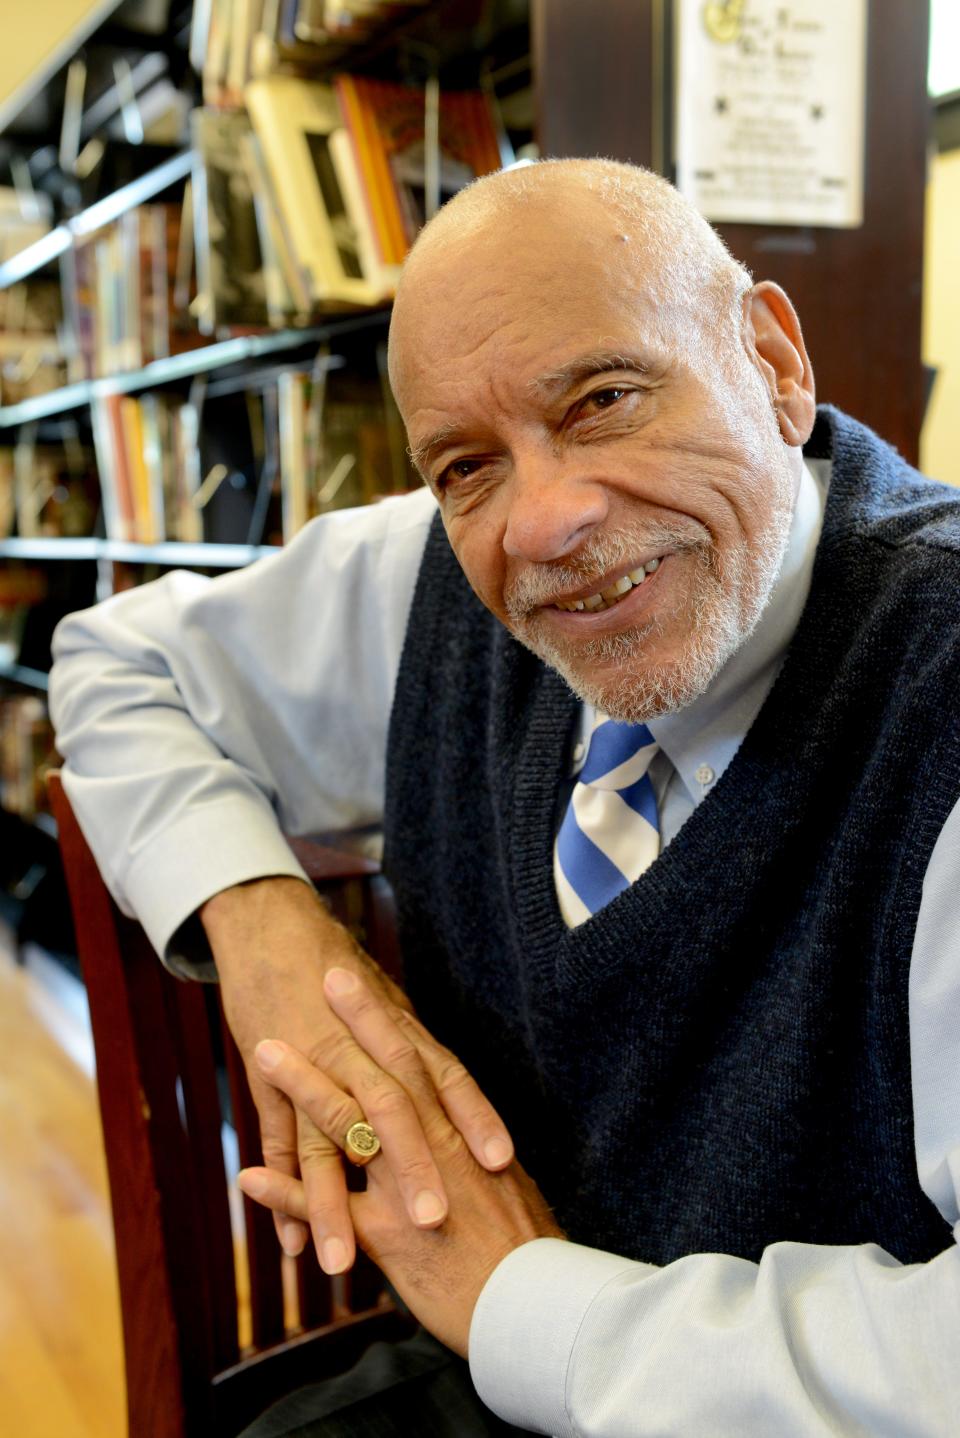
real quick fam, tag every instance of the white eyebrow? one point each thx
(422, 452)
(586, 366)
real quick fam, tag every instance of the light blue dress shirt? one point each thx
(195, 715)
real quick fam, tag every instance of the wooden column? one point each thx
(858, 292)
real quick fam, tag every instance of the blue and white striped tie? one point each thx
(610, 832)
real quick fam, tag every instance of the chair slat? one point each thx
(190, 1024)
(262, 1248)
(159, 1102)
(152, 1352)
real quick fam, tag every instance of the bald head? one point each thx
(591, 385)
(543, 216)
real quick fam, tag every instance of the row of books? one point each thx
(163, 469)
(256, 472)
(334, 452)
(26, 753)
(231, 41)
(305, 201)
(311, 197)
(126, 293)
(148, 463)
(46, 491)
(32, 359)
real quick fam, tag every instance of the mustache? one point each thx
(541, 584)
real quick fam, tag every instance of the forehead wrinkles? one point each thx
(445, 333)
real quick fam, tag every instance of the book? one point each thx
(386, 122)
(158, 461)
(188, 521)
(286, 285)
(113, 467)
(46, 489)
(35, 480)
(293, 401)
(230, 283)
(8, 507)
(33, 358)
(294, 120)
(148, 526)
(26, 752)
(382, 276)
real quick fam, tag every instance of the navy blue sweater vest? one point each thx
(719, 1059)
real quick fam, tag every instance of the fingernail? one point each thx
(333, 1255)
(497, 1152)
(292, 1239)
(428, 1207)
(269, 1053)
(340, 981)
(252, 1184)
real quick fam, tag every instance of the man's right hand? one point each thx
(273, 941)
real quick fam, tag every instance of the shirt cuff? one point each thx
(218, 846)
(526, 1324)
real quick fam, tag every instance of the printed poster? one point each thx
(770, 109)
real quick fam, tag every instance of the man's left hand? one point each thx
(440, 1272)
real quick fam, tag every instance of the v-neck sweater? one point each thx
(719, 1058)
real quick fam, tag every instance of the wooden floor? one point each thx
(61, 1358)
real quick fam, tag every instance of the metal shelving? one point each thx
(42, 252)
(24, 677)
(171, 552)
(216, 356)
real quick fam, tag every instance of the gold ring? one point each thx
(361, 1143)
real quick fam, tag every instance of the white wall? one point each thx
(940, 441)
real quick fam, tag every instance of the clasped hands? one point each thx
(444, 1200)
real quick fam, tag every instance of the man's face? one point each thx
(617, 495)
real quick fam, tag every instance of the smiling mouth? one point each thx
(613, 594)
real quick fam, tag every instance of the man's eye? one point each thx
(459, 469)
(604, 398)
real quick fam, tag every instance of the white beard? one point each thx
(610, 672)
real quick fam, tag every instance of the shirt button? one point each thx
(704, 775)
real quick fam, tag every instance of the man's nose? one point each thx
(555, 504)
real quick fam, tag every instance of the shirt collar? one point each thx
(701, 740)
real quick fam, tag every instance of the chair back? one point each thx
(216, 1325)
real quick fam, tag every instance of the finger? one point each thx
(320, 1160)
(278, 1139)
(328, 1214)
(467, 1106)
(274, 1190)
(283, 1194)
(383, 1103)
(402, 1046)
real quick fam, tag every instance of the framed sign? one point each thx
(770, 99)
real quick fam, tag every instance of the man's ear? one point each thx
(771, 334)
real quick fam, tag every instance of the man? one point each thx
(702, 1042)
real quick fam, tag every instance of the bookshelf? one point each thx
(51, 246)
(214, 358)
(229, 386)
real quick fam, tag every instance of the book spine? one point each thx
(382, 278)
(374, 167)
(130, 417)
(103, 446)
(126, 509)
(152, 443)
(292, 392)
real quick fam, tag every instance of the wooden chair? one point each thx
(157, 1039)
